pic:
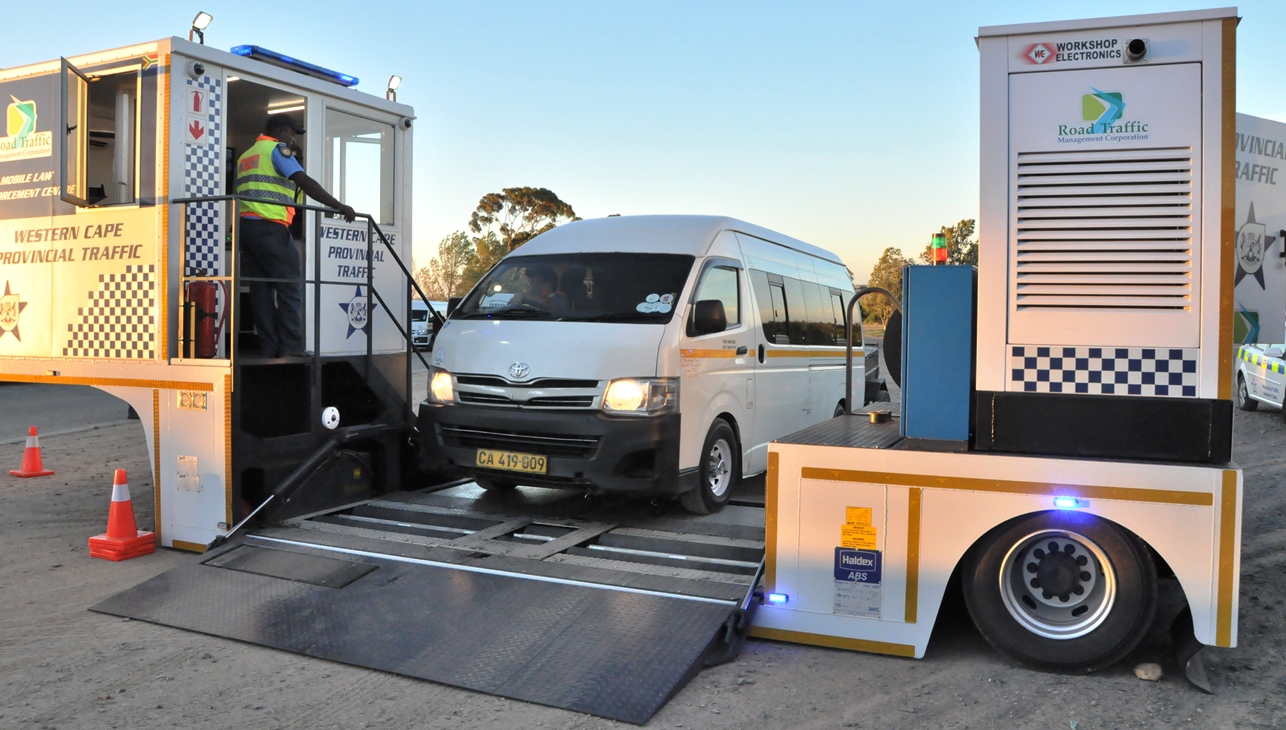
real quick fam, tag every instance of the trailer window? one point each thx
(100, 137)
(359, 164)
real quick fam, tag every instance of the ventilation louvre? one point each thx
(1109, 229)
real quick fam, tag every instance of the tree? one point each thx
(487, 250)
(517, 215)
(887, 274)
(961, 248)
(447, 274)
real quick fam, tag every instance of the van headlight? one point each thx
(440, 388)
(641, 396)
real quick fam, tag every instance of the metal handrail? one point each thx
(848, 339)
(372, 228)
(332, 211)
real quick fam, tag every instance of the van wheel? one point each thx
(1064, 591)
(1244, 401)
(719, 472)
(491, 484)
(839, 410)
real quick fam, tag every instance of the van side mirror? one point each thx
(452, 303)
(708, 317)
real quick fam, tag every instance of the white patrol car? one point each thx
(1261, 375)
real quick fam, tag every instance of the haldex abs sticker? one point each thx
(857, 583)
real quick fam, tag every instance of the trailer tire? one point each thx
(1244, 401)
(718, 473)
(1062, 630)
(491, 484)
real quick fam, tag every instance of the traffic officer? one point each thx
(270, 173)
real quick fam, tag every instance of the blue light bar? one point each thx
(1067, 502)
(778, 598)
(260, 53)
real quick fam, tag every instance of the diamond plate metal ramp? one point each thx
(613, 651)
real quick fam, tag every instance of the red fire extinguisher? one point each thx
(205, 322)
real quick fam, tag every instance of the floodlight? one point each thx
(199, 24)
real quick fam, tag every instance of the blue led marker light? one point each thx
(260, 53)
(778, 598)
(1067, 502)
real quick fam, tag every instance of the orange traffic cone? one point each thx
(123, 540)
(31, 466)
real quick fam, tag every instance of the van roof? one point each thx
(687, 234)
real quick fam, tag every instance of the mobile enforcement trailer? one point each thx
(1011, 458)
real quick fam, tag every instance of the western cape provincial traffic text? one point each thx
(100, 237)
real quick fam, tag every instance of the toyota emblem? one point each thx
(519, 370)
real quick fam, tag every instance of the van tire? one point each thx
(839, 410)
(491, 484)
(1006, 574)
(1244, 401)
(718, 473)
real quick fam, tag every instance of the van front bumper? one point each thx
(584, 449)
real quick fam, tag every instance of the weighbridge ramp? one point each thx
(537, 595)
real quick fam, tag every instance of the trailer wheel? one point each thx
(1064, 591)
(719, 471)
(491, 484)
(1244, 401)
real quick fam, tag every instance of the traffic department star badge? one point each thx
(10, 309)
(359, 319)
(1252, 246)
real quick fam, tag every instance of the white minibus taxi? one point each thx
(644, 355)
(421, 322)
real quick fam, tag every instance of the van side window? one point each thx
(722, 283)
(772, 306)
(794, 291)
(819, 314)
(837, 317)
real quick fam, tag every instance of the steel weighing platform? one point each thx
(535, 594)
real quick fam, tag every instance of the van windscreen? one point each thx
(591, 287)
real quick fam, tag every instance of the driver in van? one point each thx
(542, 291)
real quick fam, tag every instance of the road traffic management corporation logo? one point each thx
(1104, 111)
(23, 142)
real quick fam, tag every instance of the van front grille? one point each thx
(1107, 229)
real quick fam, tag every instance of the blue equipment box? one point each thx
(938, 336)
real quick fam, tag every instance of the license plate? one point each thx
(512, 461)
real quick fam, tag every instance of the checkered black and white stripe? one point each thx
(203, 176)
(1104, 370)
(120, 321)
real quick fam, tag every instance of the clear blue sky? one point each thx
(850, 125)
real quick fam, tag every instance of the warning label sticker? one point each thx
(857, 532)
(857, 583)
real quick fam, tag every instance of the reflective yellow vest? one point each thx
(257, 178)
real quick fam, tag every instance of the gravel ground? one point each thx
(63, 666)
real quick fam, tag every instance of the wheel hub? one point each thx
(1057, 584)
(1058, 574)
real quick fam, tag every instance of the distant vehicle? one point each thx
(421, 324)
(1261, 376)
(644, 355)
